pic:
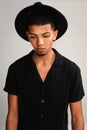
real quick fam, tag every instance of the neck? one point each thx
(45, 59)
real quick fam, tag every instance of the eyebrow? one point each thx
(36, 34)
(31, 33)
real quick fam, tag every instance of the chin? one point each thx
(41, 53)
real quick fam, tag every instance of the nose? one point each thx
(40, 41)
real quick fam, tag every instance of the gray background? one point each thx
(73, 44)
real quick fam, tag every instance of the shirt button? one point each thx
(42, 101)
(41, 115)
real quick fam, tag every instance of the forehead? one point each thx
(40, 28)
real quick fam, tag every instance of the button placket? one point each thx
(42, 94)
(42, 102)
(42, 115)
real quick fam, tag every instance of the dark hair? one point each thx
(39, 18)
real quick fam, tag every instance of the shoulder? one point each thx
(67, 64)
(21, 62)
(70, 64)
(71, 70)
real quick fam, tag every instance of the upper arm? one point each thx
(12, 105)
(77, 119)
(76, 109)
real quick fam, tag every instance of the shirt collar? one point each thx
(59, 58)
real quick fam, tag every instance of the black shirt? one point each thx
(43, 105)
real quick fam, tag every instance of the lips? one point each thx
(40, 49)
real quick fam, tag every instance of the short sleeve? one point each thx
(76, 90)
(11, 81)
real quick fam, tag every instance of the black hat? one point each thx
(22, 17)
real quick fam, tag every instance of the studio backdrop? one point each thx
(72, 45)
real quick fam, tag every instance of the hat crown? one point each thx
(41, 10)
(38, 4)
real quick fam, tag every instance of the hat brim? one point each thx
(59, 20)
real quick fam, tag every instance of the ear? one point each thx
(55, 35)
(27, 33)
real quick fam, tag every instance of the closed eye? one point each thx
(32, 36)
(46, 35)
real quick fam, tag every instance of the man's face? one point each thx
(41, 38)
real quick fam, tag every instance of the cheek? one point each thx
(48, 41)
(33, 44)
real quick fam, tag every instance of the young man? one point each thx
(43, 83)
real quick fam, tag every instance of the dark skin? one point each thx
(41, 38)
